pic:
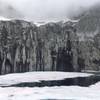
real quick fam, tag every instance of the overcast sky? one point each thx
(49, 9)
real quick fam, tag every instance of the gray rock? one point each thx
(26, 47)
(50, 47)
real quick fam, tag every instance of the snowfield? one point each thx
(67, 93)
(12, 79)
(37, 93)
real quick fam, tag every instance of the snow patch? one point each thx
(43, 93)
(55, 21)
(59, 92)
(12, 79)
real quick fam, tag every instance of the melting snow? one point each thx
(55, 21)
(11, 79)
(65, 92)
(44, 93)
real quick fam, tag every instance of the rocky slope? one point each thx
(88, 32)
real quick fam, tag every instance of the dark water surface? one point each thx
(78, 81)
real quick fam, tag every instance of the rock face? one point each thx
(26, 47)
(88, 32)
(51, 47)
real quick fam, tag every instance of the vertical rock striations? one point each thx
(26, 47)
(50, 47)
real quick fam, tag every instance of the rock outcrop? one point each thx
(26, 47)
(88, 32)
(51, 47)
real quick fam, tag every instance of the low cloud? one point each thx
(37, 10)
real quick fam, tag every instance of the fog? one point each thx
(40, 10)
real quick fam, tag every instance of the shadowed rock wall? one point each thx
(50, 47)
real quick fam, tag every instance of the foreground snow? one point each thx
(12, 79)
(44, 93)
(67, 93)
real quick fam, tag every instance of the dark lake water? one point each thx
(78, 81)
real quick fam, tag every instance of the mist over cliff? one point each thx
(37, 10)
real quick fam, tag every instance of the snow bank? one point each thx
(55, 21)
(66, 93)
(44, 93)
(12, 79)
(96, 86)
